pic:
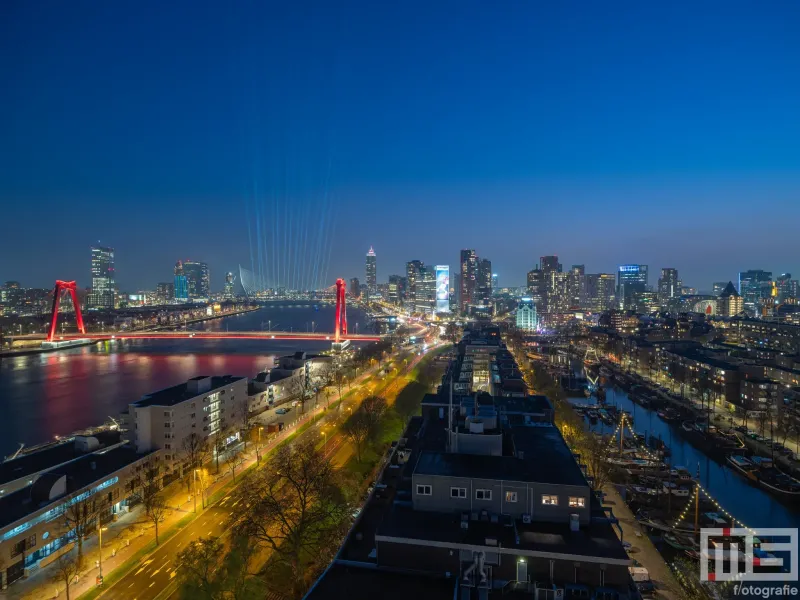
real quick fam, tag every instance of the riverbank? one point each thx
(79, 343)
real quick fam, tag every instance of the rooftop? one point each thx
(598, 541)
(184, 391)
(51, 456)
(88, 469)
(533, 441)
(359, 583)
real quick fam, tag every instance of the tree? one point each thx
(357, 430)
(233, 462)
(220, 437)
(595, 452)
(453, 332)
(197, 564)
(373, 407)
(194, 452)
(245, 421)
(79, 518)
(66, 568)
(157, 511)
(294, 508)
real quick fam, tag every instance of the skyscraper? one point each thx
(600, 295)
(750, 288)
(484, 282)
(576, 286)
(355, 287)
(371, 272)
(165, 292)
(668, 285)
(630, 279)
(550, 264)
(412, 276)
(425, 297)
(103, 278)
(181, 285)
(229, 281)
(397, 289)
(197, 279)
(787, 287)
(469, 277)
(537, 288)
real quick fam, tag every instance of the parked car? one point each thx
(281, 411)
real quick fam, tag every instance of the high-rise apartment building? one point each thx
(425, 297)
(558, 296)
(495, 287)
(371, 267)
(469, 278)
(730, 303)
(181, 285)
(355, 287)
(197, 280)
(229, 282)
(630, 280)
(165, 293)
(103, 278)
(576, 286)
(537, 288)
(752, 286)
(787, 287)
(396, 289)
(550, 264)
(484, 282)
(600, 294)
(412, 277)
(668, 286)
(718, 286)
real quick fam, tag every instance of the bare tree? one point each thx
(233, 461)
(596, 451)
(197, 564)
(193, 453)
(373, 407)
(220, 437)
(79, 517)
(294, 508)
(357, 430)
(66, 568)
(157, 511)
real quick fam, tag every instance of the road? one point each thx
(154, 577)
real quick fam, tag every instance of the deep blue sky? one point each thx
(606, 132)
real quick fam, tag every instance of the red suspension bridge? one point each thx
(340, 325)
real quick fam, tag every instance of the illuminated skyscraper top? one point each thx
(371, 272)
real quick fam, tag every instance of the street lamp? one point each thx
(325, 442)
(258, 456)
(100, 531)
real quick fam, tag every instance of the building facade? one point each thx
(484, 282)
(469, 279)
(227, 292)
(198, 281)
(371, 272)
(753, 285)
(669, 285)
(103, 278)
(181, 285)
(630, 280)
(527, 319)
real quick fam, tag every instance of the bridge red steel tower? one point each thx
(341, 310)
(73, 290)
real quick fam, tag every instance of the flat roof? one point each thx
(361, 583)
(546, 459)
(88, 469)
(596, 541)
(50, 456)
(178, 393)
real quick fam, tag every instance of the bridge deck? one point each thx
(209, 335)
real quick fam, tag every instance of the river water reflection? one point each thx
(44, 395)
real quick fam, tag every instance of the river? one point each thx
(44, 395)
(750, 504)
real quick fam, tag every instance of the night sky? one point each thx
(665, 133)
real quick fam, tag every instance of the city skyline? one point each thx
(615, 161)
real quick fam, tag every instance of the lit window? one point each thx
(511, 496)
(550, 500)
(483, 494)
(577, 502)
(424, 490)
(458, 492)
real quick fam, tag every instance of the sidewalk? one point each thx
(642, 549)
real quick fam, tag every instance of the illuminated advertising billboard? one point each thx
(442, 288)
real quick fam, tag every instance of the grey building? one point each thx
(669, 286)
(198, 281)
(630, 280)
(753, 285)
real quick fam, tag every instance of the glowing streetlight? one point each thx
(100, 531)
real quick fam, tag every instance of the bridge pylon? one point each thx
(73, 290)
(340, 326)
